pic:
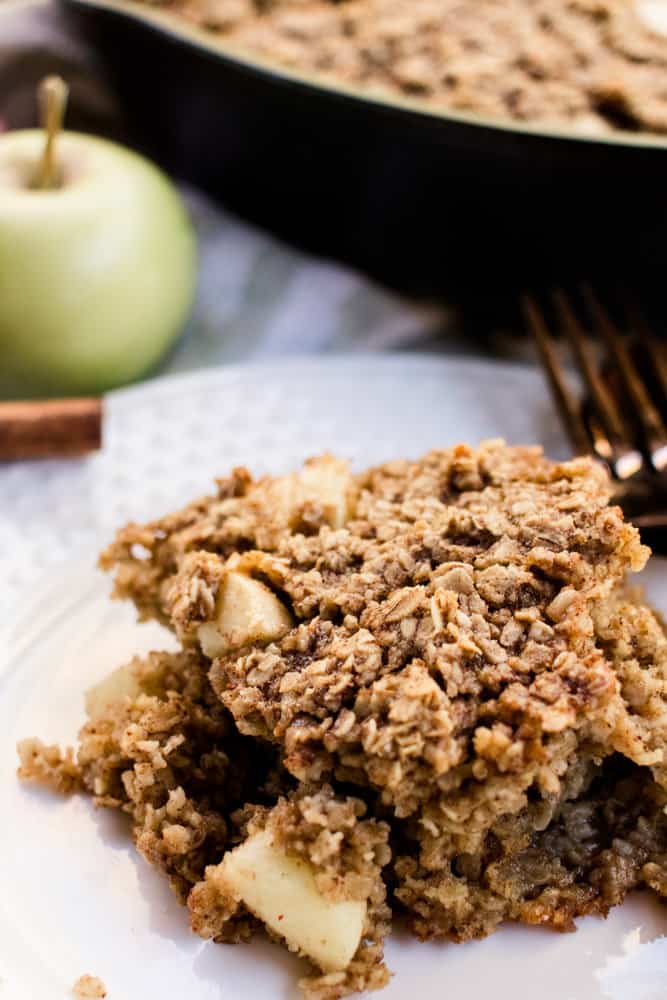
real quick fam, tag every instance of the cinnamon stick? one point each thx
(57, 428)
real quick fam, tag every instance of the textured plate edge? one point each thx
(417, 360)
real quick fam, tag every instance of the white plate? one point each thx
(75, 897)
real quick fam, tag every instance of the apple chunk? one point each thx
(329, 481)
(281, 891)
(247, 611)
(324, 481)
(119, 684)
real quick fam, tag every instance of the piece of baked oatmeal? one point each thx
(423, 687)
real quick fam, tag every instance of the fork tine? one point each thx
(565, 401)
(658, 355)
(606, 410)
(646, 412)
(655, 348)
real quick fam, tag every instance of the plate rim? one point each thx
(157, 384)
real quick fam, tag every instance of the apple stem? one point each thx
(53, 94)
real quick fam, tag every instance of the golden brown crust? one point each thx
(497, 505)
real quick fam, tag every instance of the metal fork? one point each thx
(623, 421)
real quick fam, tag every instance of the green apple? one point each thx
(97, 272)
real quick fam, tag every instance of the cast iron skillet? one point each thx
(428, 201)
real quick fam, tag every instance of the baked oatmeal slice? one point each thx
(432, 633)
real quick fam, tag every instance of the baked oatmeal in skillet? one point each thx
(590, 66)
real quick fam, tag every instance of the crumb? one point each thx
(49, 766)
(88, 987)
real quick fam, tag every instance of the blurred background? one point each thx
(370, 174)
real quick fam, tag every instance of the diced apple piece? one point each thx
(325, 480)
(282, 497)
(281, 891)
(247, 611)
(116, 686)
(329, 481)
